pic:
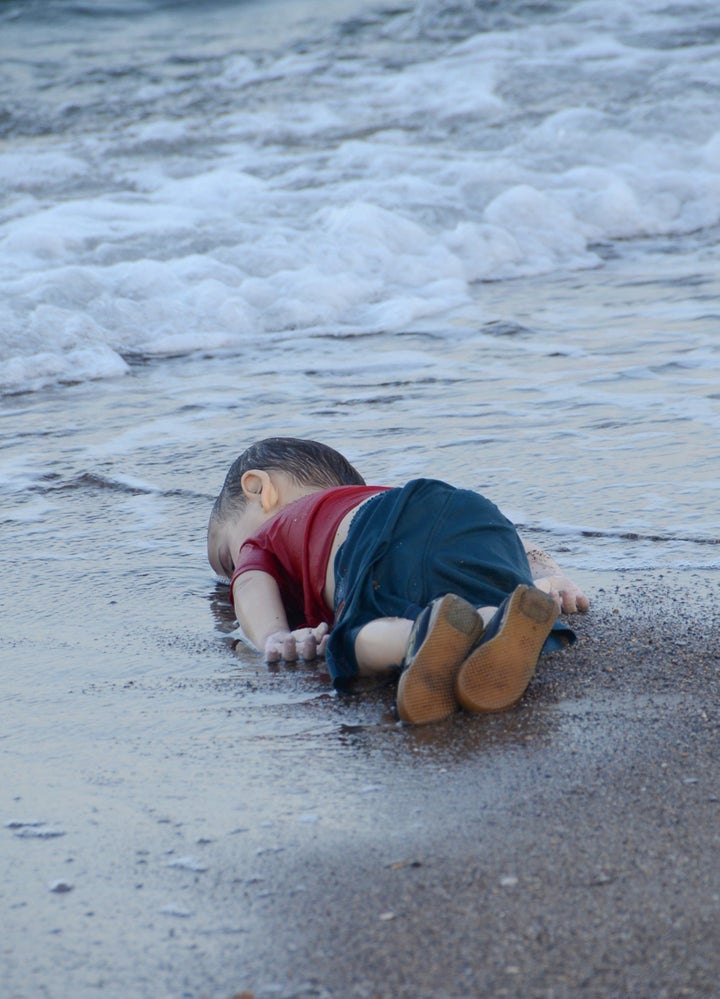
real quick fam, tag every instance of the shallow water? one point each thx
(282, 169)
(341, 222)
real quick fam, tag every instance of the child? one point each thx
(426, 578)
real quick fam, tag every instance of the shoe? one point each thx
(440, 640)
(497, 671)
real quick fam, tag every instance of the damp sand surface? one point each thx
(207, 825)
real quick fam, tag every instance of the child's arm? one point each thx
(261, 615)
(548, 577)
(258, 606)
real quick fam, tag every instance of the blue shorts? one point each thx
(409, 545)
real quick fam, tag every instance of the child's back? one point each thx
(297, 547)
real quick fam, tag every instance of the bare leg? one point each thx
(381, 644)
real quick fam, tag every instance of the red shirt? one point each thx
(294, 547)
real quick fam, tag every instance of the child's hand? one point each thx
(303, 643)
(568, 595)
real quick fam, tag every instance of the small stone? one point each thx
(39, 832)
(60, 887)
(187, 864)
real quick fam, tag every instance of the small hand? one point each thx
(568, 595)
(303, 643)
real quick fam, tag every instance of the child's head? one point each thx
(306, 463)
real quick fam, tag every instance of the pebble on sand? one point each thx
(60, 887)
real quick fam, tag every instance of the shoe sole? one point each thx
(495, 675)
(426, 691)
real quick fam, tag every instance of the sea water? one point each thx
(475, 240)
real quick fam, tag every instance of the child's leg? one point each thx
(381, 644)
(430, 651)
(487, 614)
(390, 568)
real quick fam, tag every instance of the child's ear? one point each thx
(258, 485)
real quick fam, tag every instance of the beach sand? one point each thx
(210, 826)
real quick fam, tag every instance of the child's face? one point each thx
(227, 537)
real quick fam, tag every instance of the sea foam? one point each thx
(356, 180)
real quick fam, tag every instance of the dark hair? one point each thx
(307, 462)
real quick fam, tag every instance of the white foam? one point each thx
(31, 166)
(35, 371)
(331, 187)
(546, 232)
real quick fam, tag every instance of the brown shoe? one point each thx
(440, 640)
(497, 671)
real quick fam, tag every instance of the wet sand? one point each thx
(221, 827)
